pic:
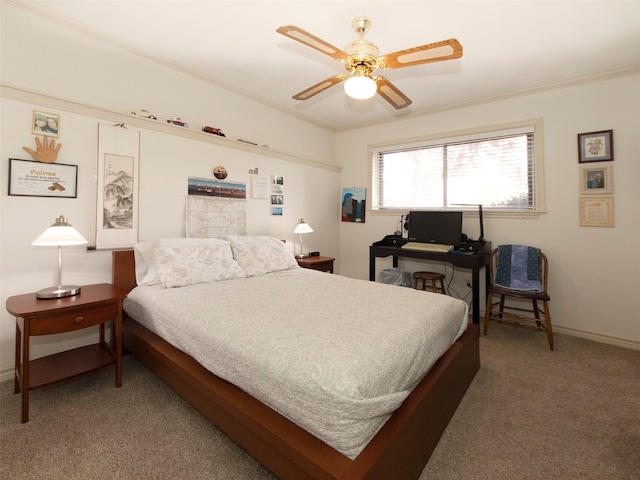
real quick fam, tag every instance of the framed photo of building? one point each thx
(596, 180)
(595, 146)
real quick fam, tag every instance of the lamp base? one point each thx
(58, 292)
(302, 255)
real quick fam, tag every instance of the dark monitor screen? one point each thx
(435, 227)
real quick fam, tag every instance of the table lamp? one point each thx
(60, 234)
(302, 228)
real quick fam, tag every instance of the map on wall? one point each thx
(215, 217)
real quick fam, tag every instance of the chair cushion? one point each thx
(518, 268)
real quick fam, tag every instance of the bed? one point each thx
(392, 442)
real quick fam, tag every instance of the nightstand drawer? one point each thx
(73, 319)
(323, 264)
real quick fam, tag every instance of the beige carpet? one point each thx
(530, 414)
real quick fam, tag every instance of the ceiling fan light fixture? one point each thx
(360, 87)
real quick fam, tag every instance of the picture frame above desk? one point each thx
(475, 262)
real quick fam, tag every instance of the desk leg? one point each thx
(372, 266)
(18, 368)
(475, 282)
(25, 370)
(117, 339)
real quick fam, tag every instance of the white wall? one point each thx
(49, 68)
(594, 271)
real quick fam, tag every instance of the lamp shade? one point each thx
(360, 86)
(60, 234)
(302, 227)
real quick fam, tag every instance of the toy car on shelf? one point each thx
(215, 131)
(177, 121)
(142, 113)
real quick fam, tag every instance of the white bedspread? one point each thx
(333, 354)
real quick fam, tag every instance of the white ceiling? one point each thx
(509, 46)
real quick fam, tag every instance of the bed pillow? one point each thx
(143, 254)
(179, 267)
(261, 254)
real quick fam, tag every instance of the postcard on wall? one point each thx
(209, 187)
(277, 184)
(354, 202)
(259, 187)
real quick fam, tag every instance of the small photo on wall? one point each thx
(354, 203)
(596, 180)
(277, 184)
(44, 123)
(276, 210)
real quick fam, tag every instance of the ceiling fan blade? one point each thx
(433, 52)
(319, 87)
(312, 41)
(391, 94)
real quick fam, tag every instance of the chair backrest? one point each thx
(513, 269)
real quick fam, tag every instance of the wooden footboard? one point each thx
(400, 450)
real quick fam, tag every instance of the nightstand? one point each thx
(94, 305)
(324, 264)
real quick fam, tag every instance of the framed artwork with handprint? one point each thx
(595, 146)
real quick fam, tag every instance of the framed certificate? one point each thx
(36, 179)
(596, 211)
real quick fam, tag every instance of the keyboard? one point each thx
(427, 247)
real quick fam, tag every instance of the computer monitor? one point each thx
(435, 227)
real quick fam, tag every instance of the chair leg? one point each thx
(487, 312)
(501, 309)
(536, 312)
(547, 319)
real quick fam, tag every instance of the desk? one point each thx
(475, 262)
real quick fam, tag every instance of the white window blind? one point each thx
(496, 169)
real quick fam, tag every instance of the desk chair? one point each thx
(519, 272)
(432, 278)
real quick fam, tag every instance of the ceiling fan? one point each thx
(361, 58)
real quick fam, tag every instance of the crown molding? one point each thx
(28, 96)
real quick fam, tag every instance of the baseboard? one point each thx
(620, 342)
(7, 374)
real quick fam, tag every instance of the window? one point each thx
(500, 169)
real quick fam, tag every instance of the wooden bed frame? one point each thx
(400, 449)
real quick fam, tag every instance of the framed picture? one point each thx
(117, 205)
(595, 146)
(36, 179)
(44, 123)
(596, 180)
(354, 204)
(596, 211)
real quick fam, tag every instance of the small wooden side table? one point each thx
(94, 305)
(323, 264)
